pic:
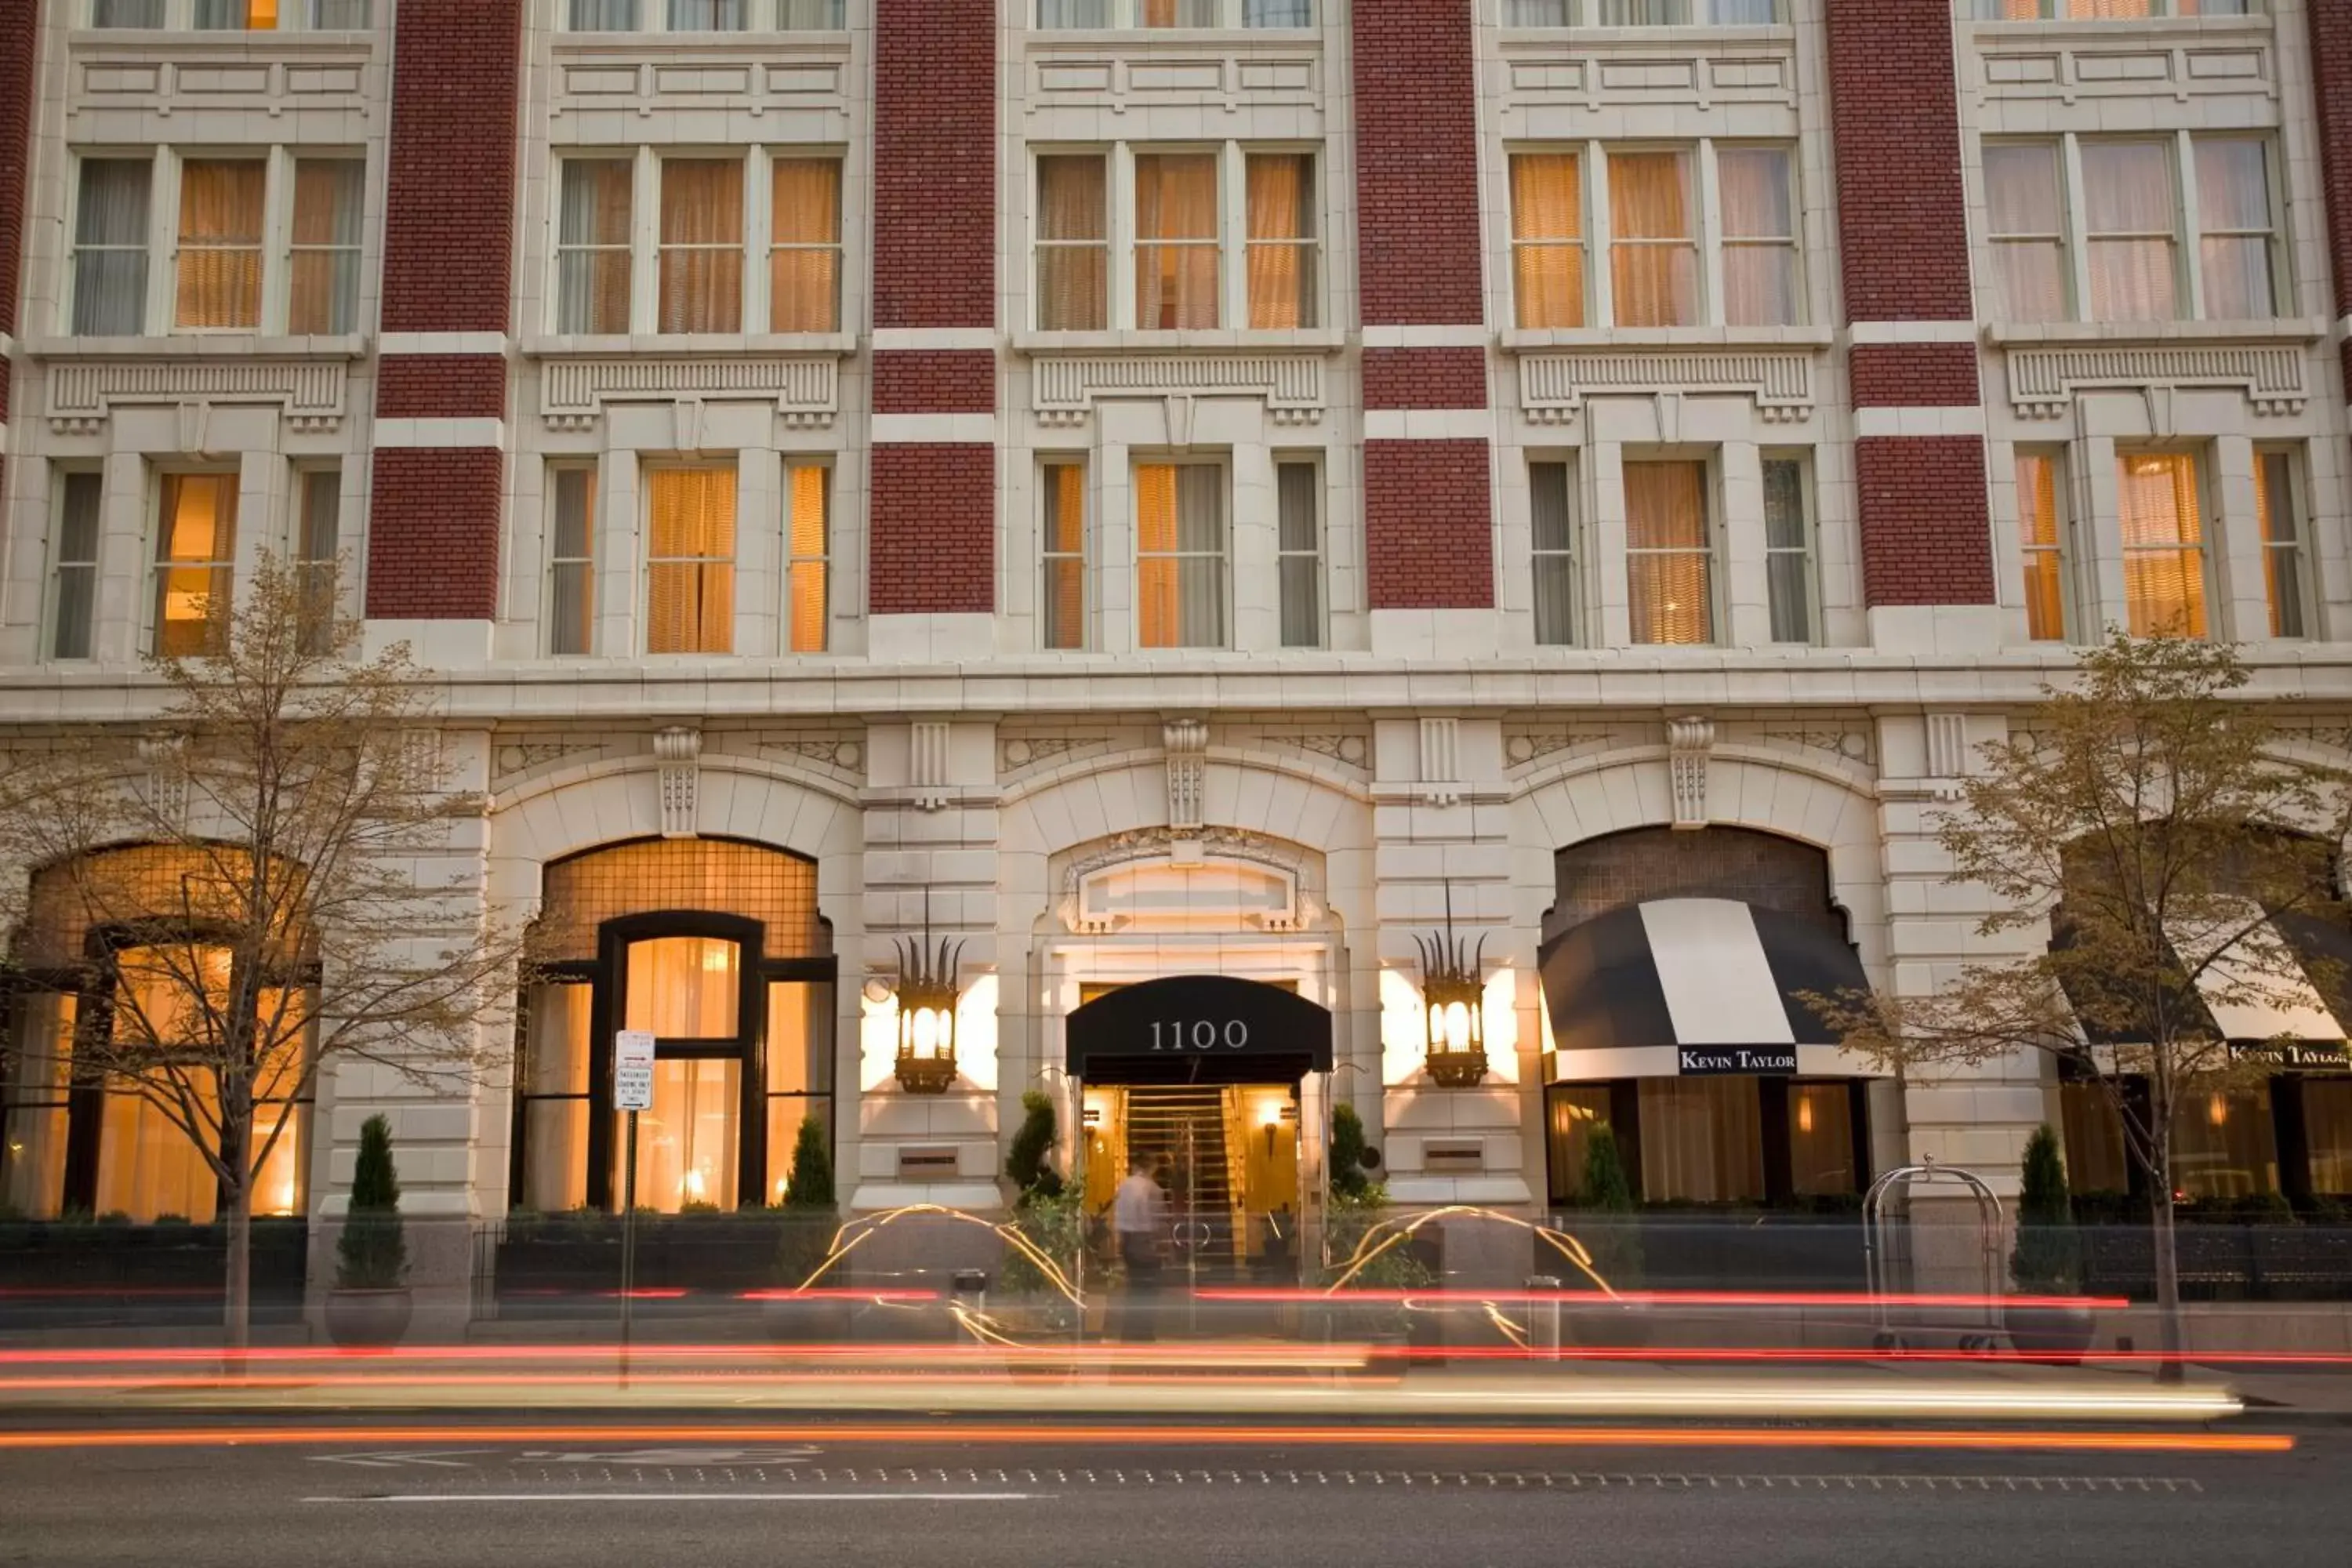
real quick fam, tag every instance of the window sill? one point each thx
(208, 40)
(1515, 340)
(694, 345)
(1095, 40)
(208, 345)
(2085, 30)
(2283, 330)
(1649, 37)
(830, 40)
(1327, 340)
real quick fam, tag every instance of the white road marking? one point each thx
(435, 1458)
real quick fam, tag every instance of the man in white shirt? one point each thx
(1140, 1216)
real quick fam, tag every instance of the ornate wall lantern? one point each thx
(1454, 991)
(927, 1010)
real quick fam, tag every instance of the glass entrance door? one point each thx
(1225, 1157)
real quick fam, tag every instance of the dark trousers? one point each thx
(1139, 1250)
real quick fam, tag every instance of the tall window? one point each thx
(592, 246)
(804, 257)
(220, 244)
(1548, 239)
(196, 563)
(2238, 228)
(691, 583)
(1653, 243)
(1176, 275)
(707, 15)
(702, 15)
(1282, 271)
(2133, 217)
(686, 991)
(1061, 15)
(1073, 242)
(572, 562)
(2041, 544)
(233, 16)
(1669, 552)
(323, 255)
(73, 591)
(111, 241)
(1179, 546)
(318, 548)
(1299, 550)
(2163, 543)
(553, 1100)
(1789, 549)
(2028, 228)
(1761, 282)
(701, 277)
(1556, 583)
(808, 494)
(1062, 595)
(2286, 571)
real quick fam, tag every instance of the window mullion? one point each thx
(1122, 237)
(1710, 236)
(1233, 237)
(645, 239)
(164, 243)
(1599, 265)
(2188, 214)
(277, 239)
(2076, 235)
(758, 240)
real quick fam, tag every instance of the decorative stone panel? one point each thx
(1605, 74)
(806, 389)
(1288, 75)
(1065, 390)
(269, 72)
(1553, 386)
(2042, 382)
(679, 753)
(649, 76)
(2068, 68)
(1689, 741)
(82, 394)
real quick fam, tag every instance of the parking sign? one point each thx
(632, 1071)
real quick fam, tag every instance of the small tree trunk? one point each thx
(237, 1321)
(2167, 1270)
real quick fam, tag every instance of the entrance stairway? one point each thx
(1186, 1127)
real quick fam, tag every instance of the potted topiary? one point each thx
(805, 1241)
(1614, 1239)
(370, 1305)
(2047, 1259)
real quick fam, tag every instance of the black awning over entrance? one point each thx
(1199, 1029)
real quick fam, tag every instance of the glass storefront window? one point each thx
(2327, 1126)
(686, 1144)
(32, 1127)
(683, 988)
(2096, 1158)
(1572, 1113)
(1702, 1141)
(2224, 1146)
(555, 1099)
(1820, 1139)
(800, 1071)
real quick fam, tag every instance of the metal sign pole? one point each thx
(632, 1091)
(628, 1244)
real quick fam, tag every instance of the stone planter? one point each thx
(368, 1319)
(1606, 1325)
(2060, 1333)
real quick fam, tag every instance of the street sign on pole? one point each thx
(632, 1071)
(633, 1091)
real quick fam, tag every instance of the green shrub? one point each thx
(809, 1187)
(1615, 1239)
(1056, 1225)
(114, 1217)
(810, 1223)
(2048, 1257)
(1352, 1216)
(1348, 1155)
(372, 1254)
(171, 1219)
(1028, 1165)
(699, 1206)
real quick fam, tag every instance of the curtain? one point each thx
(1277, 13)
(1061, 14)
(684, 987)
(74, 615)
(1180, 561)
(2224, 1144)
(1788, 551)
(1548, 239)
(2234, 195)
(33, 1104)
(706, 16)
(691, 595)
(220, 242)
(1555, 558)
(341, 16)
(1743, 12)
(1702, 1139)
(1642, 13)
(2128, 189)
(237, 14)
(555, 1099)
(195, 559)
(111, 247)
(1176, 275)
(2277, 511)
(1670, 555)
(324, 288)
(2328, 1128)
(1061, 603)
(592, 290)
(1177, 13)
(2027, 226)
(701, 245)
(148, 1166)
(1653, 259)
(1281, 202)
(807, 485)
(2113, 10)
(1759, 237)
(805, 269)
(809, 16)
(800, 1071)
(1298, 489)
(317, 554)
(1820, 1139)
(1536, 13)
(2096, 1159)
(603, 16)
(2163, 540)
(1073, 244)
(2037, 537)
(686, 1144)
(126, 12)
(571, 606)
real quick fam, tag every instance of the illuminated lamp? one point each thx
(1454, 993)
(927, 1010)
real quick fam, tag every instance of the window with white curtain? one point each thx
(1643, 13)
(703, 15)
(234, 16)
(2160, 502)
(1062, 532)
(1789, 576)
(318, 552)
(572, 559)
(1666, 225)
(2103, 10)
(1073, 242)
(808, 509)
(690, 559)
(196, 564)
(111, 247)
(1183, 544)
(1557, 584)
(1177, 281)
(2042, 542)
(707, 15)
(1670, 546)
(593, 245)
(700, 280)
(322, 257)
(2099, 228)
(1057, 15)
(1298, 548)
(73, 569)
(2281, 508)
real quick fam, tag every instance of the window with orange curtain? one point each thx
(196, 563)
(690, 579)
(701, 273)
(804, 263)
(1177, 13)
(1061, 596)
(2041, 544)
(2132, 209)
(1073, 242)
(592, 258)
(1177, 275)
(1180, 547)
(2286, 569)
(1654, 239)
(1669, 552)
(808, 491)
(248, 16)
(1548, 239)
(324, 259)
(221, 202)
(1281, 262)
(2162, 515)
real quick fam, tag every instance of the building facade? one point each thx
(1307, 493)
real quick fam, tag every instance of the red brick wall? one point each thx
(931, 542)
(1425, 378)
(1417, 163)
(1894, 119)
(448, 248)
(441, 386)
(1926, 530)
(2331, 58)
(20, 23)
(1915, 375)
(959, 381)
(432, 533)
(935, 163)
(1429, 525)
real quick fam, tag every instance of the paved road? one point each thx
(468, 1496)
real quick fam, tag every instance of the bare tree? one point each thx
(2148, 813)
(258, 888)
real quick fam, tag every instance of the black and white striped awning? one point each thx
(1696, 987)
(2278, 989)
